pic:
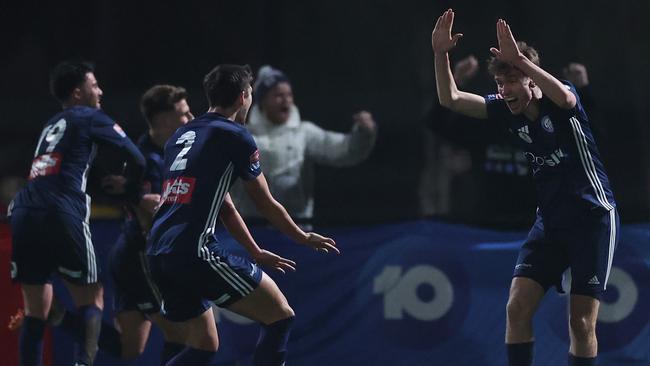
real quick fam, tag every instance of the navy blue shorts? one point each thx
(587, 248)
(190, 284)
(134, 288)
(44, 242)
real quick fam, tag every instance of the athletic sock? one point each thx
(271, 348)
(31, 341)
(110, 340)
(581, 361)
(520, 354)
(170, 349)
(88, 325)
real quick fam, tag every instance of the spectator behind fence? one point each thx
(289, 147)
(473, 167)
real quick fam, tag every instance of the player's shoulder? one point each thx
(84, 112)
(230, 129)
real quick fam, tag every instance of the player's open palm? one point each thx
(508, 50)
(321, 243)
(441, 39)
(269, 259)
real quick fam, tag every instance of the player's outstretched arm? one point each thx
(236, 226)
(272, 210)
(509, 52)
(442, 41)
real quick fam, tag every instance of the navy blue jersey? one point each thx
(151, 183)
(562, 155)
(202, 160)
(64, 153)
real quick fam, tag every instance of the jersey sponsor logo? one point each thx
(119, 130)
(524, 134)
(178, 190)
(537, 162)
(547, 124)
(46, 164)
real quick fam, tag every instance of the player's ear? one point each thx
(240, 100)
(531, 83)
(76, 94)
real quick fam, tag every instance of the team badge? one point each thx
(547, 124)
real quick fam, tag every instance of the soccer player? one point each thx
(49, 217)
(202, 160)
(577, 221)
(137, 302)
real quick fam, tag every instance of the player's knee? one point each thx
(582, 327)
(282, 312)
(518, 311)
(204, 342)
(287, 312)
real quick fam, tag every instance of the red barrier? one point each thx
(11, 302)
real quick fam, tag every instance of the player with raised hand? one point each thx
(577, 221)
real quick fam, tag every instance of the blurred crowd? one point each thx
(470, 173)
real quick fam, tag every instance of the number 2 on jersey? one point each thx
(180, 162)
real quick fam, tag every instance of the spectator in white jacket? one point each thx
(289, 146)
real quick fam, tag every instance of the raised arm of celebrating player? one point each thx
(509, 52)
(233, 222)
(272, 210)
(459, 101)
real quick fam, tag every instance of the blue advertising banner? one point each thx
(421, 293)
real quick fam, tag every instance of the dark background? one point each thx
(341, 56)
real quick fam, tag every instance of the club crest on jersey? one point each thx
(46, 164)
(119, 130)
(547, 124)
(524, 134)
(178, 190)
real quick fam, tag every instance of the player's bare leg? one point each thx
(267, 305)
(525, 296)
(134, 332)
(37, 299)
(173, 334)
(583, 313)
(201, 340)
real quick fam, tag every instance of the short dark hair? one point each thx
(224, 83)
(68, 75)
(160, 98)
(499, 67)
